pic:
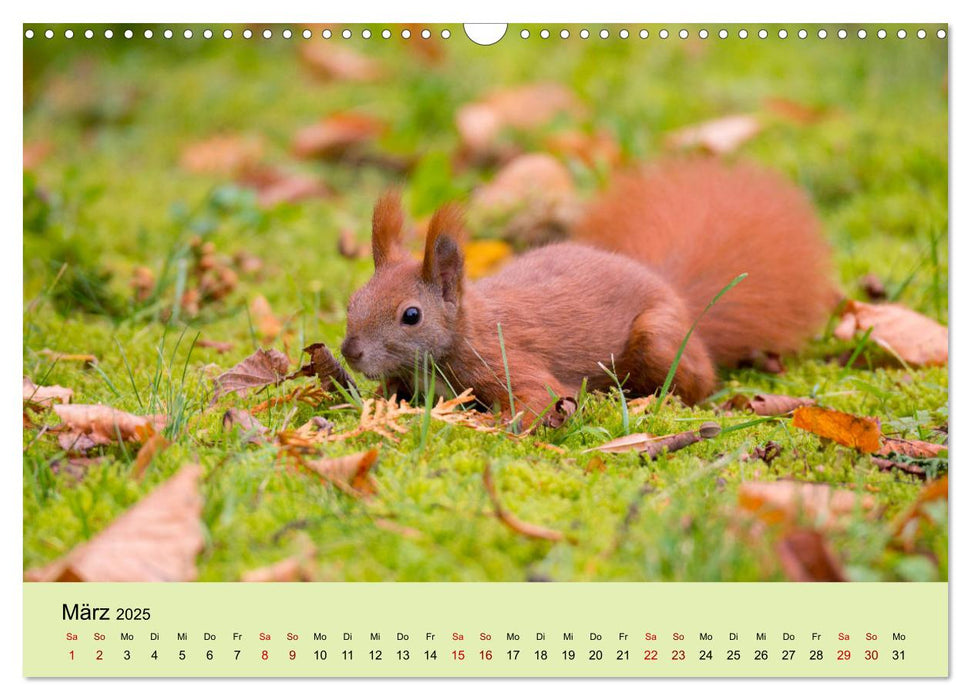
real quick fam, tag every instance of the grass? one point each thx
(111, 196)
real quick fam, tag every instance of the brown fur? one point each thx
(681, 232)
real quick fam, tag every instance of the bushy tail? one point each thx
(701, 223)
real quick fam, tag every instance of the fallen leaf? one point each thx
(525, 107)
(718, 136)
(267, 324)
(911, 448)
(783, 501)
(766, 404)
(873, 287)
(157, 539)
(276, 185)
(561, 412)
(598, 149)
(45, 396)
(511, 520)
(334, 136)
(326, 368)
(142, 283)
(87, 425)
(298, 567)
(350, 473)
(805, 555)
(795, 111)
(653, 446)
(913, 337)
(908, 523)
(217, 345)
(225, 154)
(349, 247)
(333, 62)
(251, 428)
(886, 465)
(484, 256)
(766, 453)
(262, 368)
(859, 432)
(155, 445)
(69, 357)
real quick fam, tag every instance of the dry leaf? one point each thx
(795, 111)
(333, 62)
(718, 136)
(349, 247)
(276, 185)
(918, 449)
(805, 555)
(766, 404)
(525, 107)
(87, 425)
(227, 154)
(326, 368)
(653, 446)
(596, 149)
(155, 445)
(784, 501)
(262, 368)
(157, 539)
(907, 524)
(350, 473)
(45, 396)
(336, 135)
(873, 287)
(69, 357)
(511, 520)
(217, 345)
(267, 324)
(859, 432)
(142, 283)
(298, 567)
(251, 428)
(886, 465)
(915, 338)
(483, 257)
(561, 412)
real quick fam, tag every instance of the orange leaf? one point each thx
(96, 424)
(267, 324)
(335, 135)
(915, 338)
(157, 539)
(859, 432)
(153, 446)
(227, 154)
(781, 501)
(350, 473)
(338, 63)
(805, 555)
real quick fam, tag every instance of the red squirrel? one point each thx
(648, 257)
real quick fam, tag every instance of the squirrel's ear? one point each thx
(443, 264)
(386, 224)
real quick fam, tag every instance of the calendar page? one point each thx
(526, 350)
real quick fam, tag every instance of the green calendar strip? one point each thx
(486, 629)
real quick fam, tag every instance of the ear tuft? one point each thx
(446, 222)
(386, 225)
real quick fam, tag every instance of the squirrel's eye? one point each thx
(411, 316)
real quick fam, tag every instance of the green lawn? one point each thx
(111, 196)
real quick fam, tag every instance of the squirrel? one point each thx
(646, 259)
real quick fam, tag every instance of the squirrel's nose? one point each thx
(351, 349)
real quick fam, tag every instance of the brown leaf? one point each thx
(276, 185)
(155, 445)
(654, 446)
(45, 396)
(142, 283)
(217, 345)
(915, 338)
(262, 368)
(718, 136)
(873, 287)
(88, 425)
(267, 324)
(336, 135)
(511, 520)
(767, 404)
(251, 428)
(784, 501)
(226, 154)
(886, 465)
(859, 432)
(525, 107)
(805, 555)
(596, 149)
(332, 62)
(298, 567)
(349, 247)
(350, 473)
(795, 111)
(157, 539)
(908, 523)
(326, 368)
(561, 412)
(912, 448)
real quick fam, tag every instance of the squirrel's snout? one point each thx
(352, 349)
